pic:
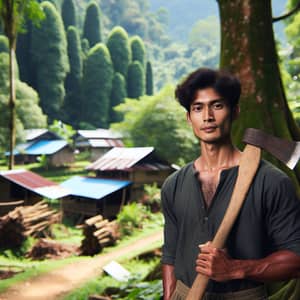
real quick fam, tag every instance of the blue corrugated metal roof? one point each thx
(45, 147)
(95, 188)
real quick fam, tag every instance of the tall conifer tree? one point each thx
(119, 48)
(49, 54)
(149, 79)
(68, 13)
(135, 80)
(138, 50)
(96, 84)
(24, 56)
(92, 24)
(72, 104)
(118, 94)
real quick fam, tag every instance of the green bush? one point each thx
(137, 290)
(130, 217)
(152, 197)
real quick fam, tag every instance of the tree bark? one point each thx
(248, 50)
(12, 107)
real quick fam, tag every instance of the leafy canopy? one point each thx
(158, 121)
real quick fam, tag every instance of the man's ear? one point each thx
(236, 112)
(188, 118)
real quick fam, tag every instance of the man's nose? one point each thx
(207, 114)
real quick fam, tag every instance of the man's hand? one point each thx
(216, 264)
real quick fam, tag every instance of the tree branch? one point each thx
(282, 17)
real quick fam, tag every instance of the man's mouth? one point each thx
(209, 128)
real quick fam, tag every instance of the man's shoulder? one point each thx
(268, 169)
(178, 175)
(270, 175)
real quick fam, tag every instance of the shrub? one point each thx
(130, 217)
(152, 197)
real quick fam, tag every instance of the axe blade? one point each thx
(286, 151)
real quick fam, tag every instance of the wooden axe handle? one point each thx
(247, 169)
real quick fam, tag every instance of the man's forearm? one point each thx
(281, 265)
(169, 281)
(217, 265)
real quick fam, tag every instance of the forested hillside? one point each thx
(183, 15)
(86, 56)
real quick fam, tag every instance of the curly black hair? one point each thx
(224, 83)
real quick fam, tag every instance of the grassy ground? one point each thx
(67, 235)
(138, 270)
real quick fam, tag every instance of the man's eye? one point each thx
(197, 108)
(218, 105)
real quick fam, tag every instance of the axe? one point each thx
(286, 151)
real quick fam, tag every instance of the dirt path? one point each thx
(55, 284)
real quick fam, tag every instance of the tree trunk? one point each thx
(248, 50)
(12, 105)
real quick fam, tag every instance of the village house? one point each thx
(43, 143)
(56, 152)
(40, 134)
(139, 165)
(90, 196)
(22, 187)
(96, 142)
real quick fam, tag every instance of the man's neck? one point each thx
(215, 157)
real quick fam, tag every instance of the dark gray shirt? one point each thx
(269, 220)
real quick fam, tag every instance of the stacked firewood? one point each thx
(11, 231)
(25, 221)
(98, 233)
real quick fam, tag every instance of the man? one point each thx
(264, 244)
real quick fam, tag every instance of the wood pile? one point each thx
(25, 221)
(98, 233)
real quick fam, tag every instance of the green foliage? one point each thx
(138, 50)
(74, 52)
(149, 79)
(28, 110)
(131, 216)
(14, 13)
(152, 197)
(73, 101)
(68, 13)
(118, 95)
(293, 35)
(119, 49)
(4, 44)
(205, 35)
(290, 65)
(43, 161)
(49, 54)
(135, 80)
(159, 121)
(92, 24)
(24, 55)
(29, 114)
(97, 83)
(137, 290)
(85, 46)
(63, 130)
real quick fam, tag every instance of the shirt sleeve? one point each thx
(283, 216)
(170, 226)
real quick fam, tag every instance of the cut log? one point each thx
(98, 233)
(25, 221)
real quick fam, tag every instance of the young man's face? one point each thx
(210, 116)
